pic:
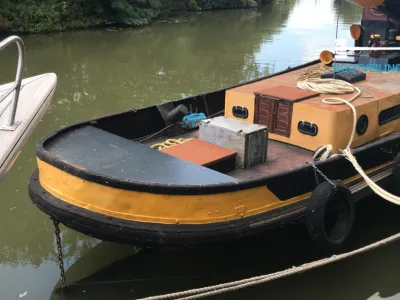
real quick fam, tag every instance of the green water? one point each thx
(106, 71)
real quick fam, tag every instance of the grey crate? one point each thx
(250, 141)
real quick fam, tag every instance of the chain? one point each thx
(60, 254)
(315, 173)
(318, 171)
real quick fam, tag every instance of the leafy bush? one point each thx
(56, 15)
(192, 5)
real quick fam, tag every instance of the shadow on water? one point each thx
(158, 271)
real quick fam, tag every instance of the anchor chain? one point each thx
(60, 254)
(318, 171)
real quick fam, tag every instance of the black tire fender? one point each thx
(330, 214)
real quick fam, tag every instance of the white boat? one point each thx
(22, 105)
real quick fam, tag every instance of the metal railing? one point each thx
(18, 78)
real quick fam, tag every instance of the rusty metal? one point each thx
(60, 254)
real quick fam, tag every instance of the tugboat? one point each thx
(235, 162)
(22, 105)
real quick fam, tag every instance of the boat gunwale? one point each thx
(179, 189)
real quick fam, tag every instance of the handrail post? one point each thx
(18, 78)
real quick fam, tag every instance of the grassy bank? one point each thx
(57, 15)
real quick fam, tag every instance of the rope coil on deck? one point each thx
(169, 143)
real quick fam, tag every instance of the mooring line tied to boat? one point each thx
(328, 86)
(241, 284)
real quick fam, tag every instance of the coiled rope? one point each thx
(332, 86)
(169, 143)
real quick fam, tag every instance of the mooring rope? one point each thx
(329, 86)
(332, 86)
(241, 284)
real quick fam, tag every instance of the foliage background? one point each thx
(56, 15)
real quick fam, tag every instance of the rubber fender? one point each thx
(395, 188)
(330, 214)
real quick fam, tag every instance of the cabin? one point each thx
(302, 119)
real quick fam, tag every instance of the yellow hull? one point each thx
(161, 208)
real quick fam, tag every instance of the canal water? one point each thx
(105, 71)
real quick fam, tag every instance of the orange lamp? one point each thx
(326, 57)
(355, 31)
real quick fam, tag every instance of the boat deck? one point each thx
(97, 151)
(280, 157)
(113, 156)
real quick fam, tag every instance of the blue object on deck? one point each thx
(192, 120)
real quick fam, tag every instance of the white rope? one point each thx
(331, 86)
(326, 153)
(324, 86)
(240, 284)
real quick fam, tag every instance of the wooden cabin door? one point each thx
(264, 114)
(274, 107)
(275, 114)
(282, 118)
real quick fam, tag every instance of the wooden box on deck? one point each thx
(248, 140)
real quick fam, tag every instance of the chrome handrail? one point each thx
(18, 78)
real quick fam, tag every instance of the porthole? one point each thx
(240, 112)
(362, 125)
(307, 128)
(389, 114)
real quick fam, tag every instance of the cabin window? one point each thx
(362, 125)
(240, 112)
(307, 128)
(389, 114)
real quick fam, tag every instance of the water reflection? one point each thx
(102, 72)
